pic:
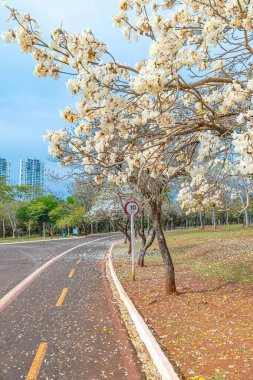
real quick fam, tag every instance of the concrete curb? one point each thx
(161, 362)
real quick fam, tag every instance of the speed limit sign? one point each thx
(132, 208)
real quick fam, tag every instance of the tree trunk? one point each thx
(169, 267)
(141, 256)
(3, 229)
(144, 249)
(127, 240)
(50, 228)
(135, 230)
(141, 232)
(29, 228)
(148, 225)
(214, 218)
(246, 216)
(123, 227)
(44, 230)
(129, 245)
(201, 220)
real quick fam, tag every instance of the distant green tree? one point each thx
(24, 218)
(74, 216)
(12, 198)
(39, 211)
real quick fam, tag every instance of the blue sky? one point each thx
(30, 105)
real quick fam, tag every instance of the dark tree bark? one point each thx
(227, 220)
(50, 228)
(85, 228)
(3, 229)
(145, 244)
(246, 216)
(123, 227)
(29, 228)
(214, 218)
(169, 267)
(145, 247)
(135, 230)
(245, 199)
(201, 220)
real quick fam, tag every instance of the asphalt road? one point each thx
(64, 326)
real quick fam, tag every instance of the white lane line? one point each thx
(13, 294)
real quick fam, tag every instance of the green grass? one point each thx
(188, 248)
(223, 232)
(241, 274)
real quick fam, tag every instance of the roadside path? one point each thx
(18, 260)
(64, 326)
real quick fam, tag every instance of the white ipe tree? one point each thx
(190, 97)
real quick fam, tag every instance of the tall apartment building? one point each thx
(5, 170)
(31, 173)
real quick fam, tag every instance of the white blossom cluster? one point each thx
(168, 114)
(243, 143)
(109, 203)
(201, 194)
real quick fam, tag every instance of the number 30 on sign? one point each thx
(132, 208)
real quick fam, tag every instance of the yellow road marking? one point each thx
(70, 275)
(62, 297)
(37, 361)
(78, 261)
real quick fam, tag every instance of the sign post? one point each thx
(132, 208)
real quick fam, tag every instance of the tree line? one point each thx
(22, 213)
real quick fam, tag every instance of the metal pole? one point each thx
(132, 247)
